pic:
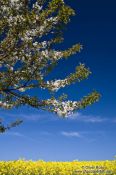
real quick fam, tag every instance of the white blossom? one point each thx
(11, 68)
(37, 6)
(56, 85)
(35, 43)
(21, 89)
(44, 44)
(45, 53)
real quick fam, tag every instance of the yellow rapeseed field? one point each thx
(22, 167)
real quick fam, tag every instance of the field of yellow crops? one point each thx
(22, 167)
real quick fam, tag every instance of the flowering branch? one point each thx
(28, 33)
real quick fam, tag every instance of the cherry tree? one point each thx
(28, 33)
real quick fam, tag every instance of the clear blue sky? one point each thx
(90, 133)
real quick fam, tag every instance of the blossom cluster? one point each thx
(81, 73)
(17, 4)
(51, 54)
(57, 84)
(67, 107)
(5, 105)
(14, 20)
(64, 108)
(39, 30)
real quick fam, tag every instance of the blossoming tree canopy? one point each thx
(27, 55)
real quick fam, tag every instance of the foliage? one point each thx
(29, 33)
(57, 168)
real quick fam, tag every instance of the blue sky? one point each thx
(90, 133)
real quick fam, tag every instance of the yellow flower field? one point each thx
(22, 167)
